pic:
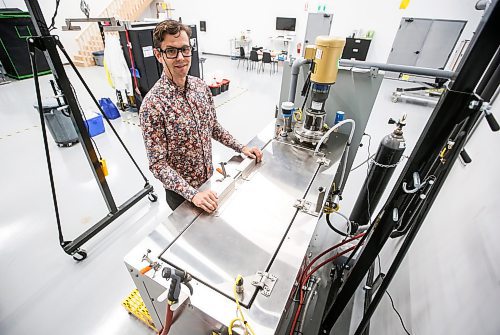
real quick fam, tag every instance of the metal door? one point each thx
(317, 24)
(439, 43)
(425, 42)
(409, 41)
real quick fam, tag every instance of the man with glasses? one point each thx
(178, 122)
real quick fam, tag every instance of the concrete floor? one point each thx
(46, 291)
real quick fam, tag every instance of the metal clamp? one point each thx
(374, 71)
(152, 265)
(265, 282)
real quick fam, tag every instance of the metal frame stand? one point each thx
(419, 94)
(49, 45)
(439, 146)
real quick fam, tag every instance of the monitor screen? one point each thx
(285, 23)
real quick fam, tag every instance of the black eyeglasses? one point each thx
(172, 53)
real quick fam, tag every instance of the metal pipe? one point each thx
(294, 75)
(419, 100)
(423, 71)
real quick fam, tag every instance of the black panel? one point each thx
(356, 48)
(195, 58)
(15, 28)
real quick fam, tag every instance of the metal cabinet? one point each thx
(425, 42)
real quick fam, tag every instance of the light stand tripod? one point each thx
(49, 45)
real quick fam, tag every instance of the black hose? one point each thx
(306, 89)
(333, 228)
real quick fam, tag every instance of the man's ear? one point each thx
(158, 56)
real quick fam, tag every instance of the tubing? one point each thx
(335, 229)
(168, 322)
(338, 125)
(294, 75)
(399, 68)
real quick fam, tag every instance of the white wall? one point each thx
(384, 17)
(226, 18)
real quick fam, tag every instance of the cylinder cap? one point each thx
(330, 42)
(287, 105)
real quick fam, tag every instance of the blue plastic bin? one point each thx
(109, 108)
(94, 123)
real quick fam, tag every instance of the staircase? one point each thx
(90, 39)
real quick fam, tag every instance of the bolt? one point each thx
(423, 196)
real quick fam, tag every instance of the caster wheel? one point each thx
(152, 197)
(80, 255)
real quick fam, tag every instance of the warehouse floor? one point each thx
(46, 291)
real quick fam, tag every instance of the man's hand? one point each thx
(206, 200)
(253, 153)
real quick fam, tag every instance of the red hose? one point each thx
(305, 276)
(168, 322)
(330, 249)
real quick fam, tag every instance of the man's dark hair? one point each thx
(170, 27)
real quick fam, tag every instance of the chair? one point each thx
(267, 59)
(242, 57)
(254, 59)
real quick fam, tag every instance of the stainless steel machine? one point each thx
(245, 260)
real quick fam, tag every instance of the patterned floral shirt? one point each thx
(177, 126)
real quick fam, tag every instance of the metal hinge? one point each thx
(265, 281)
(323, 161)
(306, 206)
